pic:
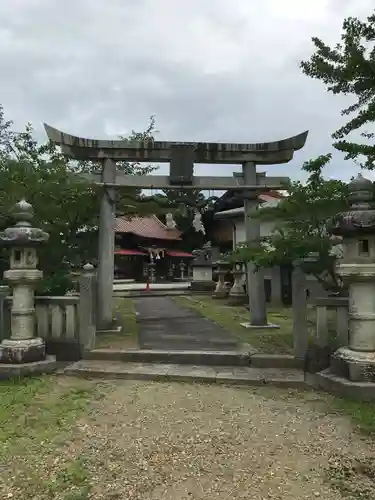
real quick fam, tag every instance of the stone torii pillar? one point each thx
(255, 278)
(106, 247)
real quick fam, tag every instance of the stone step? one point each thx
(156, 345)
(205, 358)
(232, 357)
(243, 375)
(167, 318)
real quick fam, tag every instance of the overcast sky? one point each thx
(209, 70)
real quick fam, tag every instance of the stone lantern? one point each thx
(357, 270)
(202, 265)
(237, 295)
(23, 276)
(221, 291)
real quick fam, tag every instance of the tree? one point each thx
(349, 69)
(65, 205)
(186, 203)
(302, 226)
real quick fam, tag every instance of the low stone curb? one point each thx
(205, 358)
(339, 386)
(188, 373)
(149, 294)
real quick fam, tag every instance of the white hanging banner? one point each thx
(197, 223)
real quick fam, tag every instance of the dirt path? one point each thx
(178, 441)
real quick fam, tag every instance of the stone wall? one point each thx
(66, 323)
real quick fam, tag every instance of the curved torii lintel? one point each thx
(62, 139)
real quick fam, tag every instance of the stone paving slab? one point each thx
(191, 373)
(164, 324)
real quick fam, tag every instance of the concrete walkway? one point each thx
(164, 324)
(140, 287)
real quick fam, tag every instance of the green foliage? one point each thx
(65, 206)
(301, 225)
(349, 69)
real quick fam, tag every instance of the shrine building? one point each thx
(141, 240)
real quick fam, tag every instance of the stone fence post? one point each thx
(87, 306)
(299, 307)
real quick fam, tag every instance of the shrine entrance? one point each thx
(181, 156)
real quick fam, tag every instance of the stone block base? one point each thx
(340, 386)
(202, 286)
(317, 358)
(64, 349)
(220, 295)
(111, 331)
(268, 326)
(22, 351)
(356, 366)
(238, 300)
(17, 370)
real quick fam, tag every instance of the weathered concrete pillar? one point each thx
(299, 306)
(276, 298)
(106, 248)
(87, 307)
(255, 279)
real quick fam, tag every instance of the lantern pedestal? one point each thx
(357, 360)
(237, 295)
(22, 351)
(354, 365)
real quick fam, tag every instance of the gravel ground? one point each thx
(175, 441)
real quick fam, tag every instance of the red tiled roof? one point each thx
(271, 195)
(146, 227)
(178, 253)
(129, 252)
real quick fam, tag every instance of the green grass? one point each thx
(73, 478)
(128, 337)
(273, 341)
(269, 341)
(35, 404)
(362, 413)
(37, 420)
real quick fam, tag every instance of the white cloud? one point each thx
(212, 70)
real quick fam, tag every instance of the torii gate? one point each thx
(181, 156)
